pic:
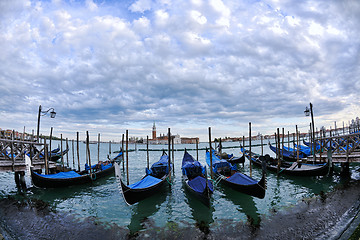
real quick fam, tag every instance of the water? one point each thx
(173, 207)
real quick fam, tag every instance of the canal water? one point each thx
(102, 200)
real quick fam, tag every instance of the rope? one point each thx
(167, 179)
(91, 176)
(217, 181)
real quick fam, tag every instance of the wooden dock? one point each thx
(13, 154)
(341, 149)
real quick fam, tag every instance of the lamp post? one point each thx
(307, 113)
(43, 113)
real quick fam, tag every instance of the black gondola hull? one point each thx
(44, 182)
(303, 170)
(318, 171)
(133, 196)
(236, 160)
(204, 197)
(256, 190)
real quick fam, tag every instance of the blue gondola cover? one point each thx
(147, 181)
(242, 179)
(219, 163)
(102, 166)
(192, 168)
(70, 174)
(199, 184)
(161, 167)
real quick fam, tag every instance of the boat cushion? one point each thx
(147, 181)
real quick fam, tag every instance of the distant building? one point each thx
(163, 138)
(154, 132)
(185, 140)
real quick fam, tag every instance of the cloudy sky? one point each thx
(107, 66)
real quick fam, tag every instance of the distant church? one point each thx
(154, 132)
(163, 138)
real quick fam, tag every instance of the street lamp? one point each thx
(309, 112)
(43, 113)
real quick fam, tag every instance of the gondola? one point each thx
(150, 184)
(227, 173)
(195, 180)
(228, 157)
(54, 155)
(55, 150)
(289, 168)
(231, 158)
(65, 179)
(317, 146)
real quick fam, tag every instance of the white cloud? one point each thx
(186, 64)
(161, 17)
(316, 29)
(91, 5)
(198, 17)
(141, 6)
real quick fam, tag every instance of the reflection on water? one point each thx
(202, 214)
(245, 205)
(142, 210)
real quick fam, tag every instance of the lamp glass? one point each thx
(307, 111)
(52, 114)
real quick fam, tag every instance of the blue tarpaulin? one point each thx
(199, 184)
(118, 156)
(305, 149)
(147, 181)
(102, 166)
(242, 179)
(161, 167)
(218, 163)
(287, 153)
(70, 174)
(191, 167)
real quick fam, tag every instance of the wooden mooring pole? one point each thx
(77, 148)
(250, 149)
(127, 157)
(297, 143)
(51, 132)
(67, 155)
(197, 150)
(173, 157)
(243, 140)
(277, 139)
(62, 157)
(147, 152)
(122, 149)
(73, 153)
(46, 157)
(98, 152)
(110, 147)
(210, 151)
(88, 151)
(169, 142)
(282, 143)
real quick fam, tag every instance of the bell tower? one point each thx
(154, 132)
